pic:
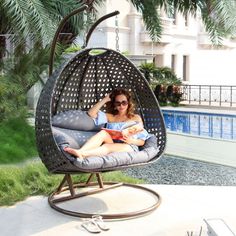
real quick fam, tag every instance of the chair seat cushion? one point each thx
(116, 159)
(75, 139)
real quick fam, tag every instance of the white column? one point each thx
(179, 66)
(167, 59)
(135, 24)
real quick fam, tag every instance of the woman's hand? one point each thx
(93, 111)
(132, 130)
(125, 133)
(107, 98)
(128, 140)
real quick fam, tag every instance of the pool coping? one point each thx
(201, 110)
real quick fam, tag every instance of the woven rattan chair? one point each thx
(78, 84)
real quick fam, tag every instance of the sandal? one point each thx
(100, 223)
(91, 226)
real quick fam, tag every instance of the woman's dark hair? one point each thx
(111, 107)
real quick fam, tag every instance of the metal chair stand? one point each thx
(101, 186)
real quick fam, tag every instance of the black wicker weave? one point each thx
(78, 84)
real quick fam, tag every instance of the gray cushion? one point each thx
(117, 159)
(74, 119)
(76, 139)
(73, 138)
(74, 128)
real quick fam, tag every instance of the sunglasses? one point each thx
(123, 103)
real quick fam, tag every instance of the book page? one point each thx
(115, 134)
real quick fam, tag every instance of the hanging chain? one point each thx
(117, 34)
(85, 26)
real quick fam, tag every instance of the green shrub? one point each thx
(148, 70)
(17, 141)
(165, 76)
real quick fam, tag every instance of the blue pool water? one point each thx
(219, 126)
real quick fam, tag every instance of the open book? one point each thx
(120, 134)
(115, 134)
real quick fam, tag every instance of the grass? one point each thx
(17, 142)
(17, 182)
(32, 178)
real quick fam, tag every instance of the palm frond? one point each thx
(219, 18)
(151, 18)
(28, 19)
(38, 19)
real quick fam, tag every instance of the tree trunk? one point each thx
(2, 47)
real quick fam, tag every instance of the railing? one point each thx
(210, 95)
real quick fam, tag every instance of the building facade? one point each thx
(184, 45)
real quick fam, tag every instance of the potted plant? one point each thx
(167, 88)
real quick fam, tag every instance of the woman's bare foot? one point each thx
(75, 152)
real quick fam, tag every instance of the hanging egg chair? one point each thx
(61, 119)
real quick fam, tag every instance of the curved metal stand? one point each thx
(55, 197)
(61, 25)
(54, 41)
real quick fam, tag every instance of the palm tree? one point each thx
(38, 19)
(219, 16)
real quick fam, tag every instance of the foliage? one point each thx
(147, 69)
(159, 75)
(72, 49)
(160, 93)
(218, 15)
(37, 19)
(17, 141)
(125, 53)
(166, 76)
(174, 94)
(164, 82)
(168, 95)
(19, 182)
(19, 75)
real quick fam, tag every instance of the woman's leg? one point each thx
(102, 150)
(97, 140)
(94, 142)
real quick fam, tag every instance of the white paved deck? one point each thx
(183, 209)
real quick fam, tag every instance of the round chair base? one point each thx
(54, 199)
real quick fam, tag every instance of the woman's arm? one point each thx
(93, 111)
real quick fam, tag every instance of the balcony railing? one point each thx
(210, 95)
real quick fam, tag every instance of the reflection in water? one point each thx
(202, 124)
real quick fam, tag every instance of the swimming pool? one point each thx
(211, 125)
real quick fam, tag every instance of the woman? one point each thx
(120, 114)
